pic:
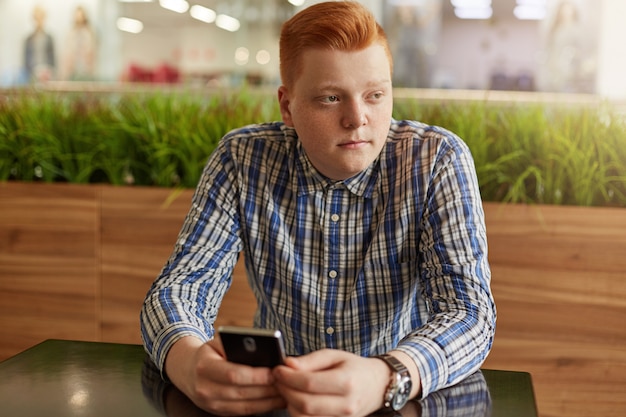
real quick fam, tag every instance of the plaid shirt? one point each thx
(393, 258)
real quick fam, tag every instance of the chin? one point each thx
(351, 173)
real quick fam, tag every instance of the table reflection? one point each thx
(470, 398)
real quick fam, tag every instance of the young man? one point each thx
(362, 236)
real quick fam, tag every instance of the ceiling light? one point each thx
(297, 2)
(202, 13)
(473, 12)
(263, 57)
(129, 25)
(178, 6)
(523, 12)
(541, 3)
(242, 55)
(135, 1)
(227, 23)
(471, 3)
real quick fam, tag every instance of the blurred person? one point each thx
(79, 58)
(363, 238)
(416, 29)
(570, 65)
(39, 58)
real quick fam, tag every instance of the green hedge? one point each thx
(524, 153)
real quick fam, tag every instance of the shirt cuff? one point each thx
(166, 339)
(430, 361)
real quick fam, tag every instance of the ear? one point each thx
(284, 102)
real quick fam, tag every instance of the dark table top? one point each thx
(70, 378)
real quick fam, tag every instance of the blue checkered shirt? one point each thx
(392, 258)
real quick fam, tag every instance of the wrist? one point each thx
(413, 371)
(399, 388)
(179, 359)
(383, 376)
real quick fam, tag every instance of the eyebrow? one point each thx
(371, 84)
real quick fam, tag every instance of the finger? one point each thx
(239, 392)
(229, 373)
(226, 399)
(216, 344)
(317, 360)
(332, 381)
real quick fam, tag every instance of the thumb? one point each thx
(293, 362)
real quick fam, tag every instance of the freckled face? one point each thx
(340, 105)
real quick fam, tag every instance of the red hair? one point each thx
(333, 25)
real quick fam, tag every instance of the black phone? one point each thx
(252, 346)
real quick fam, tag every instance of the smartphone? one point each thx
(252, 346)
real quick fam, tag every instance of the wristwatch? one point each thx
(399, 389)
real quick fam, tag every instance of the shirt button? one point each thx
(332, 273)
(330, 330)
(335, 217)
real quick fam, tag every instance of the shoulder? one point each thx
(264, 132)
(261, 140)
(425, 138)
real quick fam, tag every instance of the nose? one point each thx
(354, 115)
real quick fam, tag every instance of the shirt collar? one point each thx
(308, 180)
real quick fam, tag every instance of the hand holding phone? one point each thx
(252, 346)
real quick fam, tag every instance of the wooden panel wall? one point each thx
(138, 235)
(76, 262)
(49, 259)
(559, 279)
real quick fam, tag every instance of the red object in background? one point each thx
(139, 74)
(166, 74)
(162, 74)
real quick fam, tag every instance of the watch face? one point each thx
(399, 389)
(403, 390)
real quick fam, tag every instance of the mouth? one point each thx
(353, 144)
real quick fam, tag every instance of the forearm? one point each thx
(457, 338)
(185, 298)
(180, 304)
(449, 348)
(459, 334)
(159, 335)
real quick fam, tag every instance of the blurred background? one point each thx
(570, 46)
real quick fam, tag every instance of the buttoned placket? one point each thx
(332, 257)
